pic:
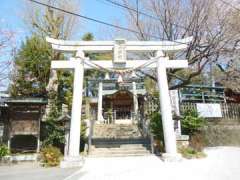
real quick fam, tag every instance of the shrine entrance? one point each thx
(120, 65)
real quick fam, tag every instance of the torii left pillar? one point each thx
(72, 158)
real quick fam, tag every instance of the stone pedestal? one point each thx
(71, 162)
(183, 141)
(169, 157)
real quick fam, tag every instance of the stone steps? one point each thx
(117, 131)
(118, 155)
(115, 146)
(120, 150)
(118, 140)
(121, 141)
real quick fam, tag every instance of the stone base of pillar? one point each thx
(71, 162)
(167, 157)
(99, 122)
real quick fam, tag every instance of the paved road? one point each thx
(221, 164)
(31, 171)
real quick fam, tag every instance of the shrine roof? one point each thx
(26, 100)
(203, 86)
(114, 80)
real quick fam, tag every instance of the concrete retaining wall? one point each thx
(222, 135)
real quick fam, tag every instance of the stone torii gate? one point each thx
(119, 48)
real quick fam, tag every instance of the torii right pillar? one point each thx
(165, 104)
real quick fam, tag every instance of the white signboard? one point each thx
(175, 101)
(175, 108)
(209, 110)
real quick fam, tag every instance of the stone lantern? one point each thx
(65, 120)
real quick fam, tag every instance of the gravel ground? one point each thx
(222, 163)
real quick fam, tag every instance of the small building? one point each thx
(3, 116)
(22, 123)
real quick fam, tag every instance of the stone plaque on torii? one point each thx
(119, 48)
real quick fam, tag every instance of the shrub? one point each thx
(191, 153)
(52, 133)
(83, 138)
(192, 122)
(50, 156)
(4, 151)
(156, 126)
(157, 131)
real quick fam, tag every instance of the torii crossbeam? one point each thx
(120, 49)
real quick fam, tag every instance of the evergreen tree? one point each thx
(32, 66)
(88, 37)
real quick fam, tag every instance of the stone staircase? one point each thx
(118, 140)
(116, 131)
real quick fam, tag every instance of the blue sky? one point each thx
(11, 18)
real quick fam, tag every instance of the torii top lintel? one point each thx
(120, 47)
(98, 46)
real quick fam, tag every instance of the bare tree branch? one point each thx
(206, 20)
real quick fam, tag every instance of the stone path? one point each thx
(221, 164)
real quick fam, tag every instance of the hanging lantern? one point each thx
(107, 77)
(120, 79)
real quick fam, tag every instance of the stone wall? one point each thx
(222, 135)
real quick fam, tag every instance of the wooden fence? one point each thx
(229, 110)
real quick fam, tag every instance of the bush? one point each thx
(83, 138)
(156, 126)
(4, 151)
(157, 131)
(52, 133)
(192, 122)
(191, 153)
(50, 156)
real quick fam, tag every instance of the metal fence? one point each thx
(229, 110)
